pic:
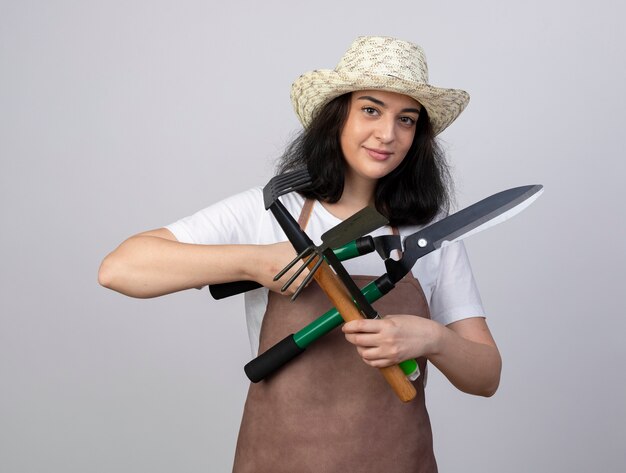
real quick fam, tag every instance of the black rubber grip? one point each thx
(227, 289)
(384, 284)
(365, 245)
(268, 362)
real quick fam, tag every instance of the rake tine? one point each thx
(292, 176)
(308, 278)
(282, 272)
(302, 185)
(297, 273)
(286, 180)
(291, 181)
(284, 183)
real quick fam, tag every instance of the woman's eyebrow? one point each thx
(382, 104)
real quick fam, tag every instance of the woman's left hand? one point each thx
(393, 339)
(464, 351)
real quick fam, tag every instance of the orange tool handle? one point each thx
(340, 297)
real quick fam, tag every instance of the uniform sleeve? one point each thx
(234, 220)
(455, 295)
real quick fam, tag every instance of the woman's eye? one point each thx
(407, 121)
(370, 110)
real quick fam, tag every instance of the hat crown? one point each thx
(385, 56)
(381, 63)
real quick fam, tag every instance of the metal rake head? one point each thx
(364, 221)
(311, 252)
(285, 183)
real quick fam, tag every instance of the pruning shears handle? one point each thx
(360, 246)
(295, 344)
(227, 289)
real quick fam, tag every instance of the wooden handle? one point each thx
(340, 297)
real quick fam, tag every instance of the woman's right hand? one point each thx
(154, 263)
(269, 260)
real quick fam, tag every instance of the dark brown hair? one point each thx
(413, 193)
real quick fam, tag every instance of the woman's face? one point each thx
(378, 133)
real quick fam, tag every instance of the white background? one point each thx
(122, 116)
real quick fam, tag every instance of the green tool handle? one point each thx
(293, 345)
(358, 247)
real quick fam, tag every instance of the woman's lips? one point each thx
(378, 154)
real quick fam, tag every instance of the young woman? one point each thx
(368, 139)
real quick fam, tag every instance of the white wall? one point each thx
(116, 117)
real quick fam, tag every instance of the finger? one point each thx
(364, 340)
(374, 356)
(379, 363)
(363, 326)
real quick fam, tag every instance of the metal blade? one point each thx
(361, 223)
(515, 208)
(473, 219)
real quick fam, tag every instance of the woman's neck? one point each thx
(357, 193)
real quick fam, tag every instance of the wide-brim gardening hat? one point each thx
(383, 63)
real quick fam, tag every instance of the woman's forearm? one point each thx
(472, 366)
(154, 263)
(463, 351)
(148, 266)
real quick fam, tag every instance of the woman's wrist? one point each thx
(251, 262)
(436, 339)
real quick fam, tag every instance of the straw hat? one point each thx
(377, 62)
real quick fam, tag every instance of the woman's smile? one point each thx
(378, 132)
(378, 154)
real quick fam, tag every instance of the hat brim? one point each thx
(311, 91)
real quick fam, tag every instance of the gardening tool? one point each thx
(364, 221)
(325, 277)
(277, 186)
(478, 217)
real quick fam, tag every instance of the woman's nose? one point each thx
(385, 131)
